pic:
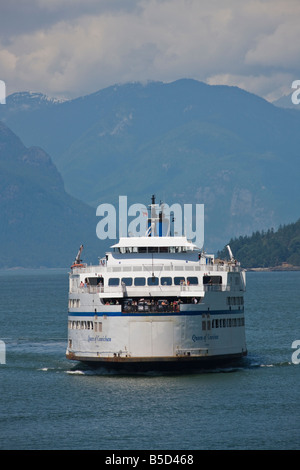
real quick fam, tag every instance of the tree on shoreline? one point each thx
(267, 249)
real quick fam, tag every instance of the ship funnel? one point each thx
(158, 220)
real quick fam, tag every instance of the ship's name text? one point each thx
(204, 337)
(98, 338)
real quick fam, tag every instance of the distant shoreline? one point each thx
(283, 267)
(38, 268)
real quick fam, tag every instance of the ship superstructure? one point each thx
(156, 301)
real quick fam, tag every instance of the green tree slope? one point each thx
(267, 249)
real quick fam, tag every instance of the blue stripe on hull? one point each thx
(155, 314)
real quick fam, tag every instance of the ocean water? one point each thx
(48, 402)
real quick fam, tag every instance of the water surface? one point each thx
(48, 402)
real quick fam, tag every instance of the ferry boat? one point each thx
(156, 302)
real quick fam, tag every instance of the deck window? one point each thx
(152, 281)
(127, 281)
(93, 281)
(179, 280)
(192, 280)
(212, 280)
(140, 281)
(113, 281)
(165, 281)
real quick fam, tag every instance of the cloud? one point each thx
(70, 47)
(278, 49)
(269, 86)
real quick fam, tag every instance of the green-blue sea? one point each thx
(48, 402)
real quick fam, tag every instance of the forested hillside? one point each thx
(267, 249)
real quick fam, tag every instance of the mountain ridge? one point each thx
(41, 225)
(186, 141)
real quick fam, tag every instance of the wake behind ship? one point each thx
(156, 302)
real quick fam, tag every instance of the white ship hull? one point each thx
(212, 330)
(155, 302)
(157, 340)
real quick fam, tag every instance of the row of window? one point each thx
(222, 323)
(153, 249)
(153, 281)
(85, 325)
(75, 303)
(206, 324)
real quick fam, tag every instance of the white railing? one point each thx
(121, 291)
(97, 290)
(192, 352)
(206, 268)
(216, 288)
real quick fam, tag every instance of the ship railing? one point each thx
(85, 290)
(205, 287)
(98, 290)
(136, 290)
(222, 267)
(192, 352)
(196, 289)
(83, 269)
(226, 267)
(151, 308)
(216, 287)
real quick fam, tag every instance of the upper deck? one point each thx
(154, 265)
(156, 253)
(136, 270)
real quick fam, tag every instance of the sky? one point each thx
(71, 48)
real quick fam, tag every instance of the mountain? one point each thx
(185, 141)
(268, 249)
(30, 101)
(40, 224)
(286, 102)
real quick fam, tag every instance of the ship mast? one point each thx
(155, 226)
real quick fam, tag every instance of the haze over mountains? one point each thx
(186, 142)
(41, 225)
